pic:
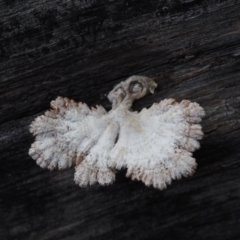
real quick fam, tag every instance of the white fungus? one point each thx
(154, 144)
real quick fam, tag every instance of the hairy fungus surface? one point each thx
(155, 144)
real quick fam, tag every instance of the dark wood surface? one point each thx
(80, 49)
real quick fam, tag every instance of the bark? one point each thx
(80, 50)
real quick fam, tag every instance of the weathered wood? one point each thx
(80, 49)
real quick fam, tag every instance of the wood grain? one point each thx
(82, 48)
